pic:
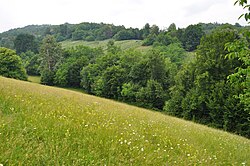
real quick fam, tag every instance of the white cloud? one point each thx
(134, 13)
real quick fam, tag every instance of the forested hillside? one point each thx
(100, 31)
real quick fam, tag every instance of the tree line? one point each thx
(101, 31)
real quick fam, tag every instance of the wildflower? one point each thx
(129, 143)
(142, 149)
(188, 155)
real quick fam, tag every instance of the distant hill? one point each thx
(89, 32)
(50, 126)
(83, 31)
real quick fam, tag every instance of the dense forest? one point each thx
(191, 73)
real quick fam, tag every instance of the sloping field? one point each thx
(124, 44)
(42, 125)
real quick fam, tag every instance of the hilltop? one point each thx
(43, 125)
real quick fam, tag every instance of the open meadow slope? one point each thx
(124, 44)
(42, 125)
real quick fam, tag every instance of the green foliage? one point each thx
(153, 95)
(239, 49)
(172, 27)
(25, 42)
(31, 62)
(112, 82)
(129, 92)
(88, 77)
(145, 31)
(174, 52)
(149, 40)
(75, 58)
(191, 37)
(150, 34)
(127, 34)
(245, 5)
(51, 56)
(11, 65)
(201, 91)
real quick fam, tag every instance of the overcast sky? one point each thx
(131, 13)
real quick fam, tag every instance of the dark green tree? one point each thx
(192, 36)
(25, 42)
(145, 31)
(172, 27)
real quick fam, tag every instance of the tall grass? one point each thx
(42, 125)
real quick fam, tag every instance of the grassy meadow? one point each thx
(124, 44)
(41, 125)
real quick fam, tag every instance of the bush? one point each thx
(11, 65)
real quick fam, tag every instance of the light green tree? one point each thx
(11, 65)
(51, 55)
(239, 49)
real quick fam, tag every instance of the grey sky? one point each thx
(131, 13)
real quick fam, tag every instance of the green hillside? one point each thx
(42, 125)
(124, 44)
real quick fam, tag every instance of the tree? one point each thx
(11, 64)
(51, 56)
(31, 62)
(113, 79)
(145, 31)
(25, 42)
(191, 37)
(154, 30)
(172, 27)
(239, 49)
(152, 95)
(202, 92)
